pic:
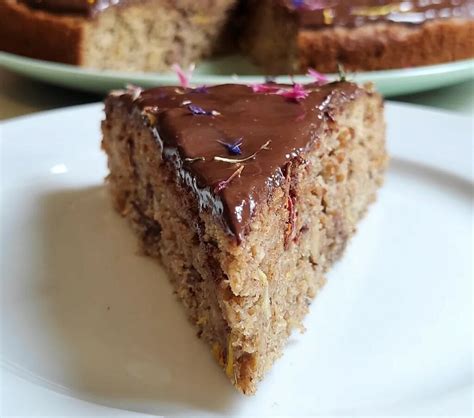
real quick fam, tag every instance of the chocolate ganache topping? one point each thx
(231, 145)
(314, 13)
(353, 13)
(82, 7)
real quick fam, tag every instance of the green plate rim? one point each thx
(454, 71)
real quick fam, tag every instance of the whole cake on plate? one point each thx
(247, 194)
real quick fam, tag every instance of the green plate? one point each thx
(233, 69)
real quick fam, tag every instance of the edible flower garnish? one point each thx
(183, 76)
(295, 93)
(234, 147)
(242, 160)
(198, 110)
(341, 71)
(200, 89)
(134, 91)
(264, 88)
(193, 160)
(224, 183)
(311, 4)
(317, 76)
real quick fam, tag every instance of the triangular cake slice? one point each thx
(247, 195)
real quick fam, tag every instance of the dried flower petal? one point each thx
(242, 160)
(318, 77)
(199, 111)
(221, 185)
(264, 88)
(193, 160)
(341, 71)
(117, 93)
(196, 110)
(201, 89)
(312, 4)
(134, 91)
(234, 147)
(183, 76)
(295, 93)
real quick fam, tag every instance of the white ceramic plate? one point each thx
(84, 315)
(232, 69)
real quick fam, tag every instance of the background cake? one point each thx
(133, 35)
(285, 36)
(282, 36)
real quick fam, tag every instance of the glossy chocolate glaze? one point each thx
(353, 13)
(256, 118)
(81, 7)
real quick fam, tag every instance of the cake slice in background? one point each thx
(282, 36)
(132, 35)
(290, 36)
(247, 195)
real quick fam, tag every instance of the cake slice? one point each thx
(132, 35)
(247, 195)
(290, 36)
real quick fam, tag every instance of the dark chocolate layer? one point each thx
(315, 13)
(81, 7)
(198, 128)
(323, 13)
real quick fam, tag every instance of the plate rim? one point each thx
(96, 105)
(8, 60)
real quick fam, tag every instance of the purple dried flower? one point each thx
(318, 77)
(198, 111)
(295, 93)
(242, 160)
(201, 89)
(234, 147)
(311, 4)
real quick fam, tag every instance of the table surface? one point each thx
(21, 96)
